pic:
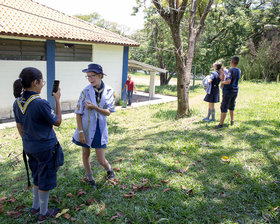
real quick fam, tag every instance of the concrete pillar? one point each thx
(152, 85)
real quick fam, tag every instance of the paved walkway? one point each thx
(139, 99)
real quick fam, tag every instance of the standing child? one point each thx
(96, 102)
(130, 88)
(230, 92)
(214, 95)
(35, 119)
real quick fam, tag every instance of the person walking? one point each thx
(34, 120)
(129, 84)
(96, 102)
(230, 92)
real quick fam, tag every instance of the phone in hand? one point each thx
(55, 86)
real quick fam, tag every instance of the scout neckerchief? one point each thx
(98, 94)
(24, 100)
(23, 104)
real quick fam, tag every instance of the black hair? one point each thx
(26, 77)
(218, 65)
(235, 60)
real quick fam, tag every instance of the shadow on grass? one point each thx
(187, 181)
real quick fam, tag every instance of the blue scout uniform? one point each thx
(91, 119)
(230, 91)
(214, 95)
(38, 137)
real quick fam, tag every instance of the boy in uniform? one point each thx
(230, 92)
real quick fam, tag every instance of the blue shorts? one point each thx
(42, 166)
(228, 101)
(96, 142)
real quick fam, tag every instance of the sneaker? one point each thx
(219, 126)
(34, 211)
(232, 123)
(50, 213)
(111, 175)
(206, 119)
(210, 120)
(93, 184)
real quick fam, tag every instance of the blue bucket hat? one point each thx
(94, 68)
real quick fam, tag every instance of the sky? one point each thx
(111, 10)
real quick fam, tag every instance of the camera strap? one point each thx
(26, 167)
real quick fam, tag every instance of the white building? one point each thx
(34, 35)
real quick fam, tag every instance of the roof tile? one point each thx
(29, 18)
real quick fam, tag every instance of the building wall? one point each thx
(72, 80)
(9, 72)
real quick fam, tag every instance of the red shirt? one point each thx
(130, 85)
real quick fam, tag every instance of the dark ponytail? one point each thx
(26, 77)
(17, 88)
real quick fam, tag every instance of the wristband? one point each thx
(81, 131)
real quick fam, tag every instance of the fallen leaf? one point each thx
(81, 192)
(73, 219)
(266, 219)
(84, 221)
(77, 208)
(84, 180)
(184, 170)
(224, 194)
(101, 210)
(67, 216)
(130, 195)
(3, 198)
(89, 201)
(189, 192)
(64, 211)
(117, 160)
(157, 185)
(20, 207)
(183, 153)
(272, 210)
(167, 189)
(184, 188)
(15, 214)
(117, 168)
(54, 221)
(12, 200)
(164, 181)
(124, 187)
(113, 217)
(70, 195)
(1, 208)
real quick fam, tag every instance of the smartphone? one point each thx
(55, 86)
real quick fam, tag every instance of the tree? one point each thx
(173, 15)
(97, 20)
(156, 45)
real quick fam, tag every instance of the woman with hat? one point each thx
(96, 102)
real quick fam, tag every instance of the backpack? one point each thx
(206, 84)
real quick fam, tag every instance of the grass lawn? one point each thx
(168, 170)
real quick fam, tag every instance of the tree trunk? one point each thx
(182, 76)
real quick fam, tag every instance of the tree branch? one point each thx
(203, 17)
(165, 15)
(182, 10)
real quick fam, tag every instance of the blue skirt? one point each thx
(96, 142)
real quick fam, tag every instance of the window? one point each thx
(22, 50)
(73, 52)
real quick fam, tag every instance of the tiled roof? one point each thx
(31, 19)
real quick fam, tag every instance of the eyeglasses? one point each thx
(90, 76)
